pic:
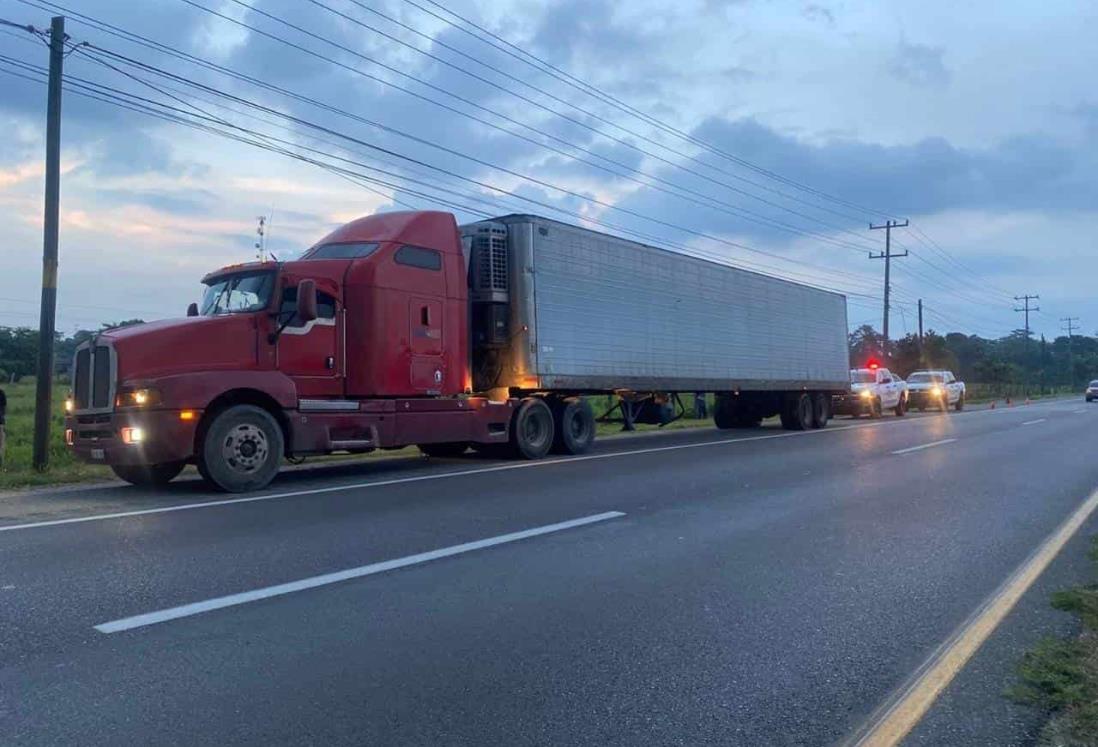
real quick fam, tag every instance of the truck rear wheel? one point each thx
(532, 429)
(148, 475)
(241, 449)
(574, 426)
(797, 413)
(443, 450)
(821, 410)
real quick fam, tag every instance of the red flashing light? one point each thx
(873, 365)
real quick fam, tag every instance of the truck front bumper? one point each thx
(166, 437)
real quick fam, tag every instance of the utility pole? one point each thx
(43, 407)
(1070, 325)
(920, 327)
(887, 256)
(1027, 308)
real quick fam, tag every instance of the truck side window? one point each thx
(414, 256)
(325, 306)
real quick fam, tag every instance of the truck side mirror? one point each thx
(306, 300)
(192, 309)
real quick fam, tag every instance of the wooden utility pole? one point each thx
(1070, 325)
(887, 256)
(922, 356)
(43, 403)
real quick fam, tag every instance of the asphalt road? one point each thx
(745, 587)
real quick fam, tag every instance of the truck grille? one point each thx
(93, 374)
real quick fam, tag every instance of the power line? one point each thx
(113, 98)
(537, 63)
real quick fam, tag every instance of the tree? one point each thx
(865, 343)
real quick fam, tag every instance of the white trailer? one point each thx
(561, 309)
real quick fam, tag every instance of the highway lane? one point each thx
(768, 589)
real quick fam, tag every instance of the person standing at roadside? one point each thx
(3, 425)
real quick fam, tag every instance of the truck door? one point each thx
(428, 366)
(309, 352)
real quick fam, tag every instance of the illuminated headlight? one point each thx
(865, 394)
(133, 435)
(69, 405)
(935, 391)
(137, 398)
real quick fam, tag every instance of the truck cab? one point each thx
(360, 344)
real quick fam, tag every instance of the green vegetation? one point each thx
(1060, 675)
(18, 469)
(1011, 366)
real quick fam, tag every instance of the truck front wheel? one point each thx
(532, 429)
(148, 475)
(241, 449)
(574, 423)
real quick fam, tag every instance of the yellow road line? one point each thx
(901, 713)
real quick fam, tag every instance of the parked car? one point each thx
(1092, 391)
(936, 390)
(872, 390)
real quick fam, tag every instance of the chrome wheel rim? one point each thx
(245, 448)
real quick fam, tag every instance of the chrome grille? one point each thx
(94, 371)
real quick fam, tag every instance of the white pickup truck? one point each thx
(872, 390)
(937, 390)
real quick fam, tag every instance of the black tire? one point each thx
(148, 475)
(573, 426)
(875, 408)
(901, 408)
(444, 450)
(531, 429)
(821, 410)
(959, 404)
(724, 414)
(797, 413)
(241, 449)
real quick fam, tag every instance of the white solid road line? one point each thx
(900, 713)
(1035, 422)
(466, 472)
(925, 446)
(233, 600)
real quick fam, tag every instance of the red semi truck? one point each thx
(404, 328)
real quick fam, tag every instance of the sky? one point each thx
(766, 134)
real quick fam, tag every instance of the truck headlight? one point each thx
(935, 391)
(69, 405)
(144, 397)
(865, 394)
(133, 435)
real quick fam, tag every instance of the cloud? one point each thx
(920, 65)
(819, 14)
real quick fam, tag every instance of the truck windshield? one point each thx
(924, 378)
(230, 294)
(862, 377)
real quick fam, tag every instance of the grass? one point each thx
(1060, 675)
(18, 468)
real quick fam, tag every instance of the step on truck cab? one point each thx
(403, 329)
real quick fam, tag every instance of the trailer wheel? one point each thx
(443, 450)
(821, 410)
(148, 475)
(797, 413)
(724, 415)
(241, 450)
(574, 426)
(532, 429)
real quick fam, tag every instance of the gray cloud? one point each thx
(920, 64)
